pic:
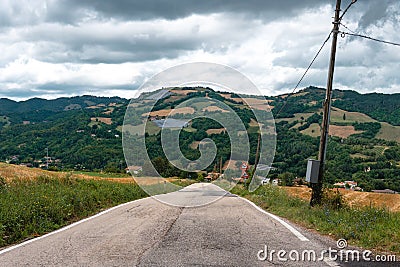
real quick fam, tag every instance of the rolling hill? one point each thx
(84, 132)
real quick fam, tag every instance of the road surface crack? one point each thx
(162, 237)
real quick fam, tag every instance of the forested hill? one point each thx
(84, 132)
(8, 106)
(382, 107)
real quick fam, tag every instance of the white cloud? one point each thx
(43, 56)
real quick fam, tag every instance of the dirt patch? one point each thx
(102, 119)
(231, 164)
(108, 111)
(354, 198)
(255, 101)
(254, 123)
(228, 96)
(194, 144)
(182, 92)
(92, 107)
(184, 110)
(342, 131)
(264, 107)
(213, 109)
(173, 98)
(215, 131)
(167, 112)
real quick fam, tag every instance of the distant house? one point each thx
(276, 181)
(244, 167)
(211, 176)
(385, 191)
(352, 185)
(133, 169)
(26, 165)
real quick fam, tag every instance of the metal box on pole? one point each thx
(312, 171)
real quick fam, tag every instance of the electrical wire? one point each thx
(347, 8)
(370, 38)
(304, 74)
(347, 28)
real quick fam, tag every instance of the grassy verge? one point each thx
(372, 228)
(30, 208)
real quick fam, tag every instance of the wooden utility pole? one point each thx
(220, 165)
(256, 160)
(316, 195)
(257, 152)
(47, 158)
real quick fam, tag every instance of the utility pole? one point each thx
(256, 160)
(257, 152)
(47, 158)
(316, 195)
(220, 165)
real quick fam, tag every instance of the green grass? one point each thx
(389, 132)
(371, 228)
(198, 106)
(151, 128)
(297, 117)
(4, 119)
(253, 129)
(32, 208)
(351, 117)
(313, 130)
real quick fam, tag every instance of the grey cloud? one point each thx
(376, 10)
(173, 9)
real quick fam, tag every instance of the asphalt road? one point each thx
(228, 232)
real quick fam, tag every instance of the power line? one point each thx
(347, 28)
(304, 74)
(347, 8)
(368, 37)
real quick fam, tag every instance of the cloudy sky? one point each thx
(73, 47)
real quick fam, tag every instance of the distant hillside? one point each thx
(84, 133)
(8, 106)
(381, 107)
(37, 109)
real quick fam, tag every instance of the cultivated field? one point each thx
(389, 132)
(313, 130)
(355, 198)
(215, 131)
(167, 112)
(102, 119)
(342, 131)
(14, 172)
(297, 117)
(351, 117)
(213, 109)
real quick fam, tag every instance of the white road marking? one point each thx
(67, 227)
(285, 224)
